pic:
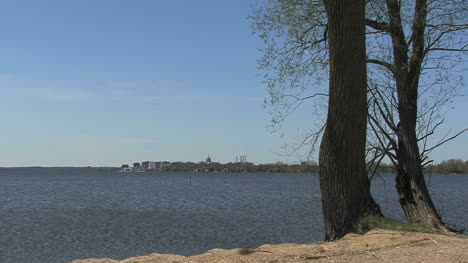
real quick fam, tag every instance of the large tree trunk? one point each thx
(344, 184)
(411, 186)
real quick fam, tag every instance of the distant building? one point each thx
(148, 165)
(125, 168)
(208, 160)
(243, 159)
(162, 164)
(136, 165)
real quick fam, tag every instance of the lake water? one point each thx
(53, 215)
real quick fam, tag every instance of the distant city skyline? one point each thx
(102, 83)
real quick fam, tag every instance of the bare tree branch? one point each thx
(446, 140)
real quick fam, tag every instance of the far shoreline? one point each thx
(176, 170)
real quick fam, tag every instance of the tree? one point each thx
(405, 39)
(295, 58)
(411, 47)
(344, 184)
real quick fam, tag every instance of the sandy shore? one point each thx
(374, 246)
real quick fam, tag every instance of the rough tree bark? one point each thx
(344, 184)
(411, 186)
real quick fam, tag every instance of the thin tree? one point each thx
(344, 184)
(411, 46)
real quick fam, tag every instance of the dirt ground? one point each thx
(375, 246)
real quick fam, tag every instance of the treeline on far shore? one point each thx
(241, 167)
(452, 166)
(253, 168)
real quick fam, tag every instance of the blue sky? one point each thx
(105, 82)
